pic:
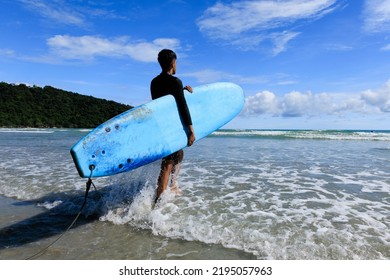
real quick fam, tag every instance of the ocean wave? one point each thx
(42, 130)
(26, 130)
(307, 134)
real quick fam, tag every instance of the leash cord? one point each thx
(88, 186)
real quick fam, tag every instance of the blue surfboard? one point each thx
(151, 131)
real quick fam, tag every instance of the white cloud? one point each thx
(377, 15)
(298, 104)
(253, 22)
(74, 13)
(7, 52)
(56, 10)
(386, 48)
(295, 104)
(338, 47)
(206, 75)
(292, 104)
(264, 102)
(240, 16)
(280, 41)
(212, 76)
(209, 75)
(378, 98)
(90, 47)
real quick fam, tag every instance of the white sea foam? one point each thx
(276, 221)
(273, 199)
(27, 130)
(309, 134)
(50, 205)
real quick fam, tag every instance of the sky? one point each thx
(318, 64)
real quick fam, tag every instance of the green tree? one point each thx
(24, 106)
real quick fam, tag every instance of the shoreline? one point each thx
(18, 217)
(13, 210)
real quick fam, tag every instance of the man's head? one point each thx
(167, 59)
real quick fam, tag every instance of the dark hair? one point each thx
(165, 58)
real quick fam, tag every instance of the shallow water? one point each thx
(246, 194)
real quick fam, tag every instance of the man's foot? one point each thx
(175, 189)
(156, 202)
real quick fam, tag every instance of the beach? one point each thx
(247, 194)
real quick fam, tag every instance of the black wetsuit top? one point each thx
(165, 84)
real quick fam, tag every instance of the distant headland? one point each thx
(47, 107)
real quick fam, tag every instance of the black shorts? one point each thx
(176, 157)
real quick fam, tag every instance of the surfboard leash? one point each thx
(87, 188)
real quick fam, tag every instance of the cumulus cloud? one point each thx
(90, 47)
(377, 15)
(264, 102)
(298, 104)
(292, 104)
(253, 22)
(379, 98)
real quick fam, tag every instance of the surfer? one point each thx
(162, 85)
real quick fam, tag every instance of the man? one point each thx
(162, 85)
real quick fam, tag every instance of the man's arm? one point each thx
(188, 88)
(190, 135)
(184, 111)
(182, 104)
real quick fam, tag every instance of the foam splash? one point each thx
(266, 214)
(273, 199)
(308, 134)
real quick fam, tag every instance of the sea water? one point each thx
(247, 194)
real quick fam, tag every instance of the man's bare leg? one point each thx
(175, 174)
(163, 179)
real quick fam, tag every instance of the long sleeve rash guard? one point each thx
(165, 84)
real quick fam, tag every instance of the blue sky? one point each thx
(319, 64)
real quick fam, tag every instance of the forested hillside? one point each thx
(24, 106)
